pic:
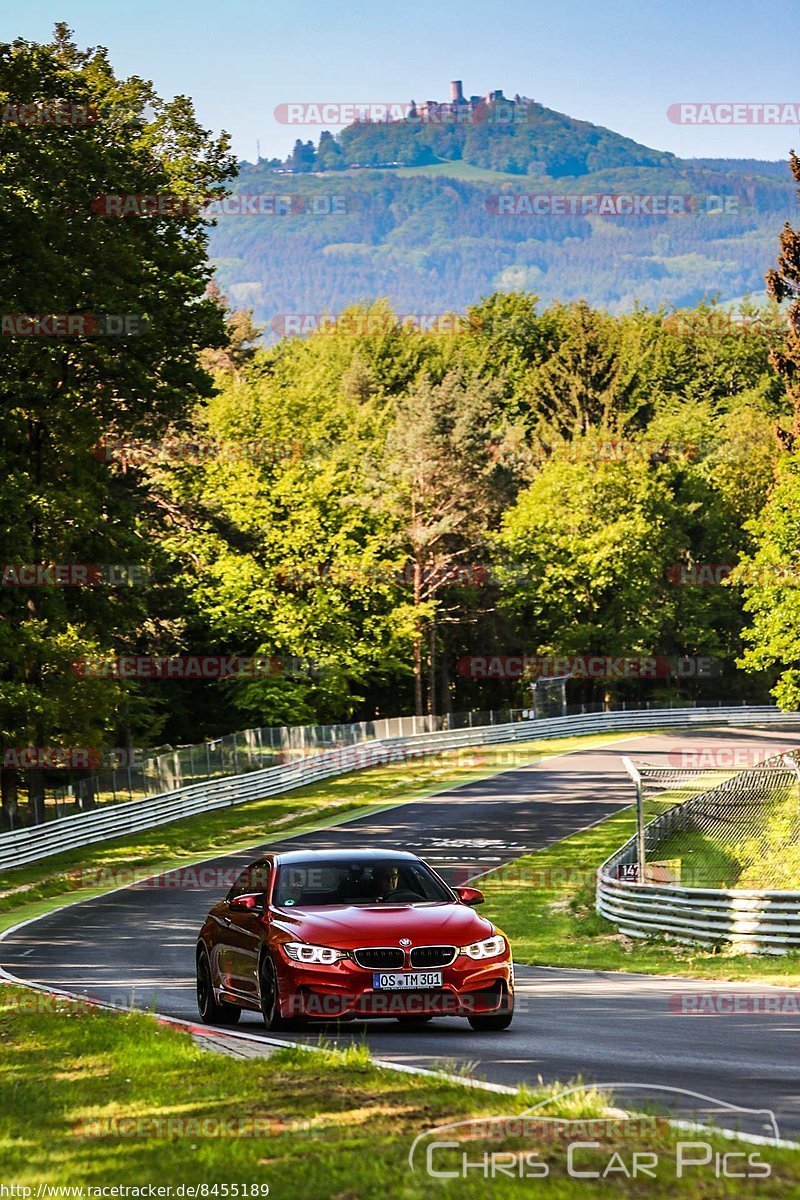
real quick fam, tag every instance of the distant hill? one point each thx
(431, 234)
(518, 137)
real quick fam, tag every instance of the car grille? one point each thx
(381, 958)
(432, 956)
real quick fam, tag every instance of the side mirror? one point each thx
(469, 895)
(246, 902)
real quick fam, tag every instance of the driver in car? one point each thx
(387, 885)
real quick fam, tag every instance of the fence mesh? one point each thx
(722, 826)
(167, 768)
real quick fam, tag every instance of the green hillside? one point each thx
(517, 136)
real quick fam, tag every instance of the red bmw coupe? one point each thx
(349, 935)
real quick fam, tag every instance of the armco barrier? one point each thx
(751, 920)
(84, 829)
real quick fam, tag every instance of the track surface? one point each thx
(136, 947)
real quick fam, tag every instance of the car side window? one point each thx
(253, 881)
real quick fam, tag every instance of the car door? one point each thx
(245, 933)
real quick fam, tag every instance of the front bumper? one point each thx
(345, 991)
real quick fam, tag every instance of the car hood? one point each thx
(350, 926)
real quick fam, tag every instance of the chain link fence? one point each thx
(717, 827)
(167, 768)
(152, 772)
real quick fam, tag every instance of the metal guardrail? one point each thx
(83, 829)
(753, 920)
(140, 775)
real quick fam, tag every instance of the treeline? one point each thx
(553, 483)
(430, 243)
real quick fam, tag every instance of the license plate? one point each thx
(403, 981)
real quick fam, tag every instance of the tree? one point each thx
(276, 549)
(303, 156)
(60, 395)
(329, 153)
(242, 337)
(443, 483)
(783, 284)
(596, 550)
(770, 576)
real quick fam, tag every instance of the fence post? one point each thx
(793, 764)
(641, 850)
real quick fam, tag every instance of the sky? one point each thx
(617, 63)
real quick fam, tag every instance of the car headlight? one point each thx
(489, 948)
(305, 953)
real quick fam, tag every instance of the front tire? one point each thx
(495, 1021)
(212, 1012)
(269, 993)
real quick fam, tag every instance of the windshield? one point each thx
(360, 881)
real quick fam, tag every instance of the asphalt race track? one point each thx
(136, 946)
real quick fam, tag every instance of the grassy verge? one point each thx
(27, 891)
(93, 1099)
(545, 903)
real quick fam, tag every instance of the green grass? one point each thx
(702, 860)
(311, 1126)
(545, 901)
(467, 172)
(28, 891)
